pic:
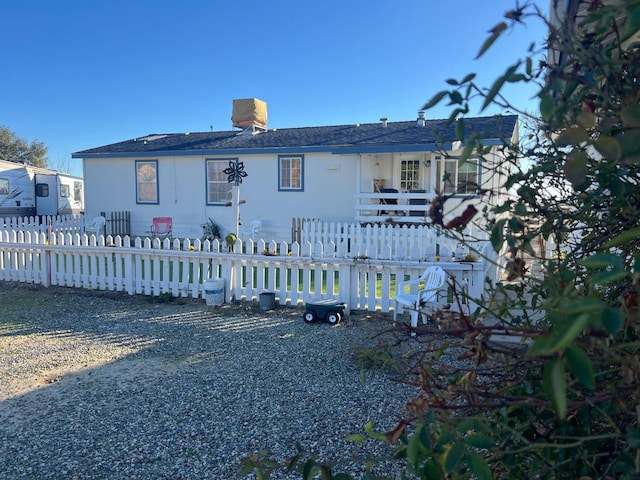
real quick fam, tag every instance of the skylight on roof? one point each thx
(151, 138)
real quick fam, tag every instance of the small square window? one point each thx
(42, 190)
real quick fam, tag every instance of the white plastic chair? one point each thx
(420, 295)
(251, 231)
(96, 225)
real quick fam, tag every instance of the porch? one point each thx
(398, 188)
(387, 206)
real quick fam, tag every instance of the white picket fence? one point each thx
(180, 267)
(45, 224)
(392, 241)
(318, 238)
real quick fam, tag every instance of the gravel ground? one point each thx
(102, 385)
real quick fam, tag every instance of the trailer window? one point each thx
(65, 191)
(42, 190)
(4, 186)
(77, 191)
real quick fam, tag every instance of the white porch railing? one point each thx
(399, 207)
(180, 268)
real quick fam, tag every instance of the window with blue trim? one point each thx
(147, 181)
(218, 186)
(291, 173)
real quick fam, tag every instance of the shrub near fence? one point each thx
(180, 267)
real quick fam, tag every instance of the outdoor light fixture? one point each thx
(427, 163)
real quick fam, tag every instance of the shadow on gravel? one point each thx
(105, 385)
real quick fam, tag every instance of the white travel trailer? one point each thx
(26, 191)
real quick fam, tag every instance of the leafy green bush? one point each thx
(565, 402)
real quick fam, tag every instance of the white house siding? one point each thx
(328, 193)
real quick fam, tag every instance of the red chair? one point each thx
(162, 227)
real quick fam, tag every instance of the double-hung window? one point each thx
(409, 175)
(218, 186)
(147, 181)
(291, 173)
(460, 177)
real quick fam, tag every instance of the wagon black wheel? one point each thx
(334, 317)
(310, 316)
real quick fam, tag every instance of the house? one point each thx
(26, 190)
(367, 173)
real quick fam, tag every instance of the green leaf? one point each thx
(601, 260)
(623, 238)
(634, 436)
(586, 119)
(497, 86)
(471, 425)
(580, 305)
(435, 100)
(560, 337)
(452, 81)
(608, 276)
(516, 77)
(460, 129)
(479, 440)
(631, 115)
(555, 386)
(608, 147)
(497, 235)
(572, 136)
(414, 446)
(546, 106)
(612, 319)
(453, 456)
(630, 144)
(479, 466)
(368, 428)
(467, 151)
(575, 169)
(468, 78)
(455, 98)
(580, 366)
(433, 470)
(495, 34)
(445, 438)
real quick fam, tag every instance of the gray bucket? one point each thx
(267, 301)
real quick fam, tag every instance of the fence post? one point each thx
(45, 266)
(344, 290)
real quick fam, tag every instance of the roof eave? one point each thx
(335, 150)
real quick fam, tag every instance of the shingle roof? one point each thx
(395, 136)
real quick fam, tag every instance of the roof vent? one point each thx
(421, 120)
(249, 114)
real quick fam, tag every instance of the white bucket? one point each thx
(214, 291)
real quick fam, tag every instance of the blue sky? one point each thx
(78, 74)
